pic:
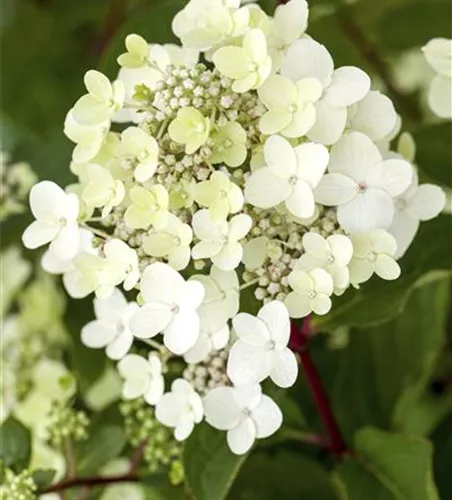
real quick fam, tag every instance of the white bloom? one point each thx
(332, 254)
(181, 408)
(220, 195)
(438, 53)
(289, 23)
(244, 412)
(220, 241)
(341, 87)
(261, 349)
(203, 24)
(290, 175)
(171, 242)
(249, 66)
(374, 116)
(311, 292)
(111, 328)
(170, 307)
(102, 100)
(100, 189)
(88, 138)
(124, 260)
(181, 56)
(373, 252)
(144, 150)
(56, 214)
(143, 377)
(361, 184)
(291, 109)
(206, 343)
(417, 203)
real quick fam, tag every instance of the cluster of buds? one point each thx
(258, 180)
(18, 486)
(66, 424)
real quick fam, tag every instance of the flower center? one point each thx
(312, 294)
(330, 259)
(362, 187)
(175, 309)
(372, 257)
(252, 67)
(292, 108)
(246, 412)
(270, 345)
(293, 180)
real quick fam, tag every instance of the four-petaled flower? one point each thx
(191, 128)
(290, 176)
(261, 349)
(244, 412)
(144, 150)
(170, 306)
(181, 408)
(142, 377)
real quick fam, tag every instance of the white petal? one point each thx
(47, 200)
(169, 409)
(329, 123)
(372, 209)
(352, 155)
(251, 330)
(184, 428)
(111, 309)
(150, 320)
(291, 20)
(221, 409)
(440, 96)
(205, 228)
(341, 249)
(335, 189)
(301, 202)
(159, 282)
(316, 245)
(255, 252)
(285, 368)
(206, 249)
(229, 257)
(348, 85)
(267, 417)
(241, 437)
(248, 396)
(404, 228)
(264, 190)
(199, 351)
(120, 346)
(308, 58)
(155, 391)
(276, 317)
(133, 366)
(427, 202)
(183, 331)
(239, 227)
(190, 295)
(280, 156)
(321, 304)
(248, 364)
(38, 234)
(312, 162)
(135, 387)
(67, 242)
(360, 270)
(297, 305)
(97, 334)
(375, 116)
(387, 268)
(394, 176)
(221, 338)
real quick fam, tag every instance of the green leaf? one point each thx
(210, 467)
(286, 475)
(389, 467)
(378, 301)
(442, 440)
(433, 152)
(105, 443)
(417, 28)
(15, 450)
(43, 478)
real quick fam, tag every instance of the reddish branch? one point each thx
(299, 343)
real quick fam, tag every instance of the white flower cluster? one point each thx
(266, 169)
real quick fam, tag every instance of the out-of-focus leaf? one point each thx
(15, 449)
(104, 444)
(421, 20)
(378, 301)
(389, 467)
(442, 440)
(433, 152)
(43, 478)
(210, 467)
(286, 475)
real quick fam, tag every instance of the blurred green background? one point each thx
(396, 371)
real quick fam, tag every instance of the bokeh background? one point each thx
(393, 371)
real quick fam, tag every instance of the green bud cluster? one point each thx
(161, 451)
(66, 424)
(18, 486)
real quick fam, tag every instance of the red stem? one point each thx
(91, 482)
(299, 342)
